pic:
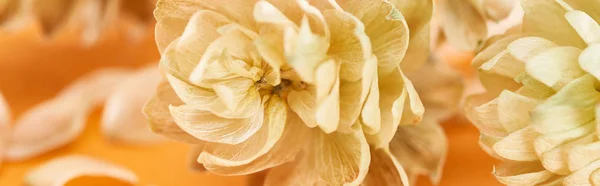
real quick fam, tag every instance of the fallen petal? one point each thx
(60, 171)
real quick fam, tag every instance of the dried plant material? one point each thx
(544, 129)
(467, 23)
(310, 89)
(57, 122)
(89, 18)
(63, 170)
(122, 119)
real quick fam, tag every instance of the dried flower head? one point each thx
(311, 89)
(466, 23)
(87, 17)
(540, 113)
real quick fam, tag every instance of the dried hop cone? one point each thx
(540, 113)
(312, 90)
(89, 17)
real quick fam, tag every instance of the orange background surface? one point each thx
(33, 69)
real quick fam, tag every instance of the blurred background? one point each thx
(35, 67)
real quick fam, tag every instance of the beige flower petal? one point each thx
(96, 86)
(533, 88)
(418, 15)
(238, 95)
(581, 155)
(199, 97)
(61, 170)
(328, 96)
(415, 111)
(121, 119)
(159, 117)
(172, 16)
(556, 160)
(285, 150)
(47, 126)
(556, 67)
(386, 28)
(258, 144)
(491, 51)
(181, 55)
(193, 154)
(207, 126)
(392, 102)
(371, 113)
(572, 106)
(421, 148)
(521, 173)
(486, 142)
(528, 47)
(582, 176)
(559, 31)
(303, 103)
(486, 117)
(513, 110)
(385, 170)
(332, 159)
(351, 103)
(463, 24)
(265, 12)
(518, 146)
(504, 64)
(551, 141)
(587, 28)
(351, 46)
(304, 50)
(588, 60)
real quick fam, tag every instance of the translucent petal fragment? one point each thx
(581, 155)
(513, 110)
(238, 94)
(518, 146)
(587, 28)
(303, 103)
(463, 24)
(582, 176)
(121, 119)
(504, 64)
(572, 106)
(556, 67)
(547, 142)
(385, 170)
(304, 50)
(47, 126)
(588, 60)
(59, 171)
(559, 31)
(555, 160)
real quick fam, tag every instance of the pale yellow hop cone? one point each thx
(540, 112)
(310, 89)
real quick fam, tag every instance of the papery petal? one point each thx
(535, 21)
(207, 126)
(415, 111)
(193, 154)
(121, 118)
(64, 169)
(392, 102)
(238, 94)
(521, 173)
(421, 148)
(486, 142)
(184, 51)
(555, 160)
(418, 15)
(159, 117)
(463, 24)
(48, 126)
(350, 45)
(193, 95)
(385, 170)
(570, 107)
(581, 155)
(96, 86)
(588, 60)
(259, 143)
(528, 47)
(333, 159)
(518, 146)
(490, 52)
(303, 103)
(304, 50)
(485, 116)
(498, 9)
(328, 96)
(556, 67)
(587, 28)
(513, 110)
(582, 176)
(386, 28)
(533, 88)
(285, 150)
(550, 141)
(504, 64)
